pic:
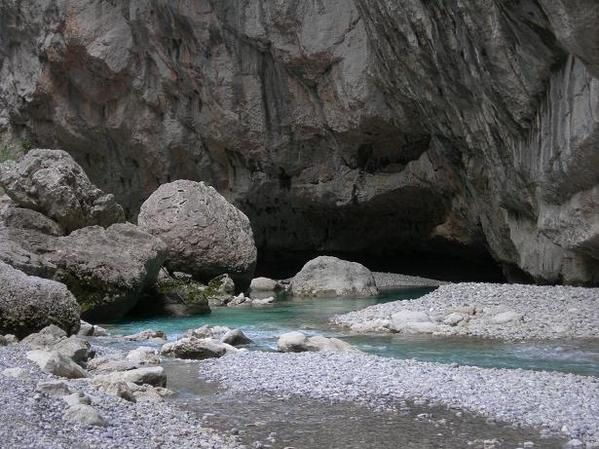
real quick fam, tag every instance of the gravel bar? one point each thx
(505, 311)
(561, 404)
(31, 420)
(389, 281)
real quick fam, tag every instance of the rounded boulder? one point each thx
(329, 276)
(205, 234)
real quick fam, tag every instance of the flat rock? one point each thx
(153, 375)
(46, 337)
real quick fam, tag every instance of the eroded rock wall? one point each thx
(335, 125)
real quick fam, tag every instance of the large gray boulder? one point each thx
(330, 276)
(205, 234)
(29, 303)
(51, 182)
(105, 269)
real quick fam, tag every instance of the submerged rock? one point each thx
(205, 234)
(28, 304)
(330, 276)
(51, 182)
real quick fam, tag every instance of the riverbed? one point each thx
(265, 323)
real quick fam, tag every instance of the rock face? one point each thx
(51, 182)
(205, 234)
(330, 276)
(29, 303)
(460, 128)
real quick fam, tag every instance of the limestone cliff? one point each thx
(459, 127)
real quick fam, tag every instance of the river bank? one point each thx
(504, 311)
(33, 419)
(556, 404)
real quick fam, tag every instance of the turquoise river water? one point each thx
(265, 323)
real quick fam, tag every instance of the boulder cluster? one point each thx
(66, 250)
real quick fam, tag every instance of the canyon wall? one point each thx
(390, 127)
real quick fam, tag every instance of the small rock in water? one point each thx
(235, 337)
(147, 334)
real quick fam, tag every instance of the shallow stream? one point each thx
(265, 323)
(295, 422)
